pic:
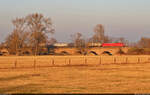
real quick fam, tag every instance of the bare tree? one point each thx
(78, 40)
(39, 26)
(107, 39)
(144, 42)
(29, 31)
(123, 40)
(18, 38)
(99, 33)
(99, 36)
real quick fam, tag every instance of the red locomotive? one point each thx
(113, 45)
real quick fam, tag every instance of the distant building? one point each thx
(60, 45)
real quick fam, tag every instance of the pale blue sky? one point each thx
(121, 18)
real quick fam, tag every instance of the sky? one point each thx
(121, 18)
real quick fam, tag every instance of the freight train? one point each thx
(92, 45)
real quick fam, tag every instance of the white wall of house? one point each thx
(61, 44)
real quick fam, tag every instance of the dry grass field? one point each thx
(132, 77)
(48, 61)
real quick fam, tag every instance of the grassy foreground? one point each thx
(113, 78)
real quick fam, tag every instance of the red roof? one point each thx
(112, 44)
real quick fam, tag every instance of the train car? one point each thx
(94, 44)
(60, 45)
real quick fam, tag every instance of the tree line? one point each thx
(29, 31)
(34, 29)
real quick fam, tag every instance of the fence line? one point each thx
(38, 61)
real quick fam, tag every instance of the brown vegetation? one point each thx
(29, 32)
(30, 37)
(112, 78)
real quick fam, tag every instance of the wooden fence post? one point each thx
(138, 59)
(65, 60)
(53, 62)
(126, 59)
(148, 59)
(15, 63)
(34, 62)
(69, 61)
(100, 60)
(85, 60)
(115, 60)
